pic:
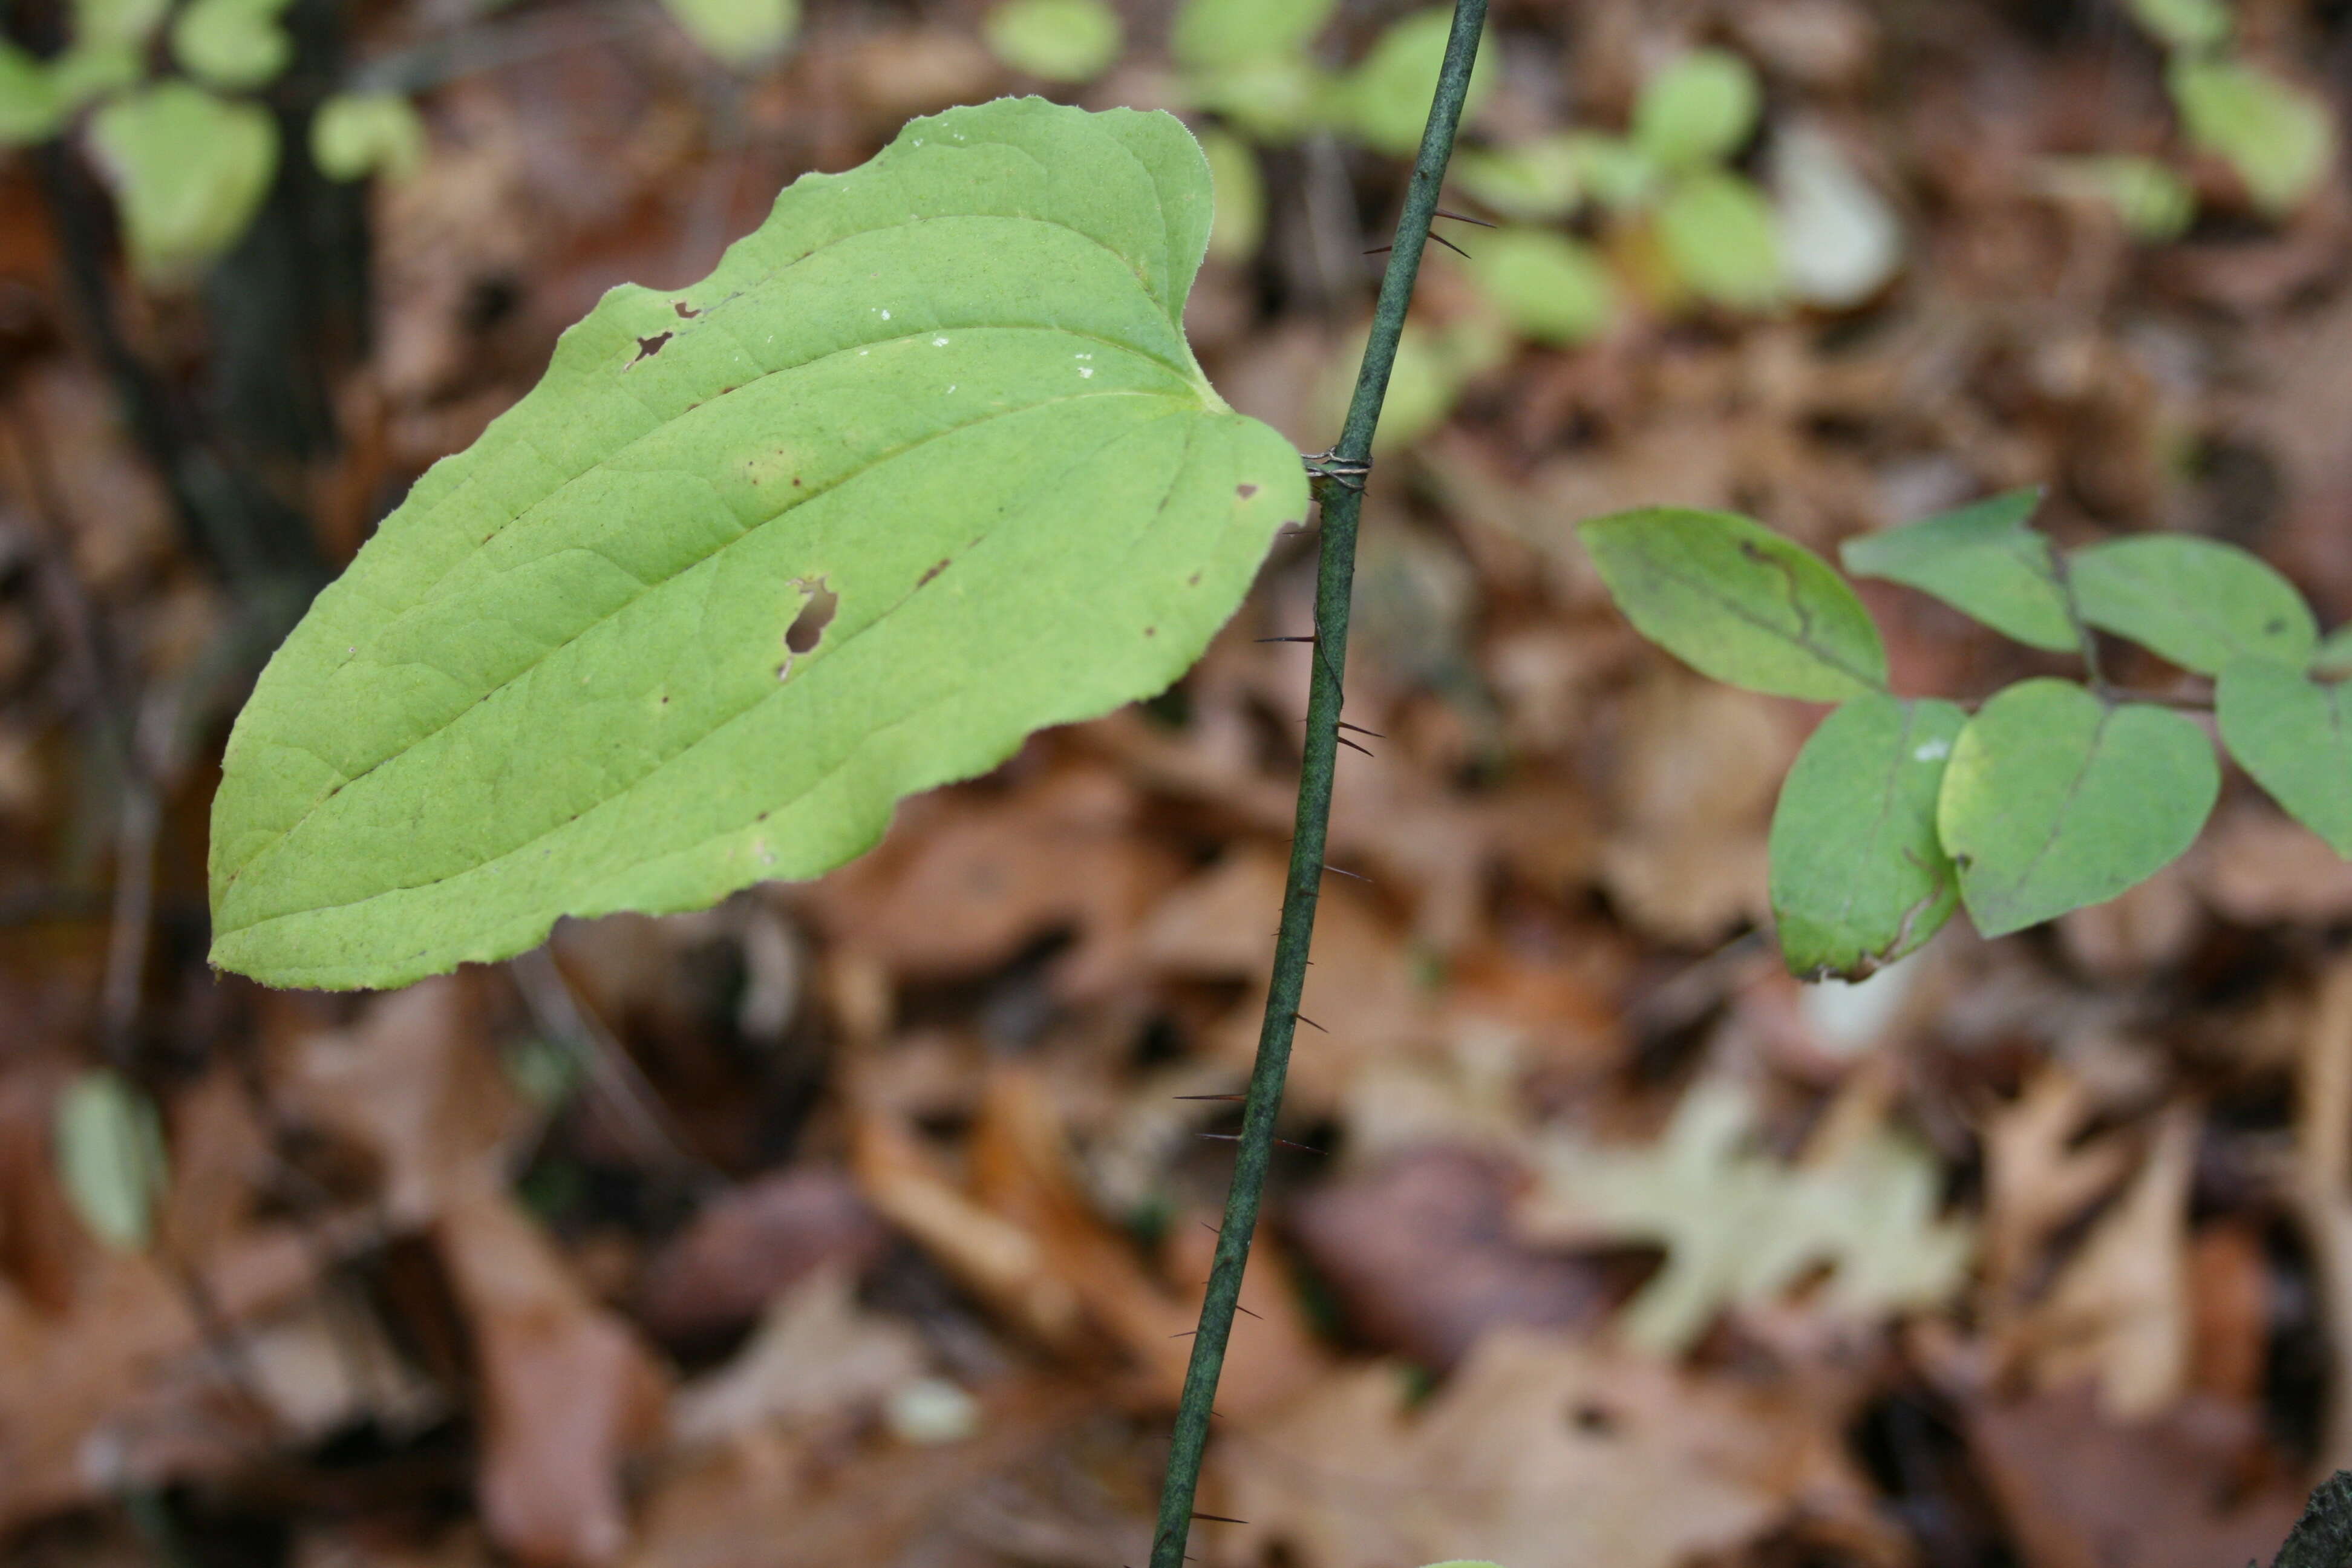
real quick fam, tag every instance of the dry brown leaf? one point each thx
(751, 1243)
(2258, 868)
(567, 1392)
(1538, 1453)
(2038, 1178)
(2120, 1312)
(814, 1356)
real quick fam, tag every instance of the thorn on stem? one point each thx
(1351, 745)
(1310, 1023)
(1210, 1097)
(1343, 871)
(1220, 1519)
(1283, 639)
(1464, 217)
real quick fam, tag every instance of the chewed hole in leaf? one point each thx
(649, 347)
(816, 614)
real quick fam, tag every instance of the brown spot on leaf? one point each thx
(931, 573)
(685, 311)
(1245, 491)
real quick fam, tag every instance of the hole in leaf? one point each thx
(685, 311)
(649, 347)
(808, 626)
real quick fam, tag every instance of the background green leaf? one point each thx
(2184, 23)
(189, 170)
(1059, 40)
(947, 392)
(2154, 204)
(1700, 108)
(1385, 99)
(358, 133)
(1216, 34)
(1535, 182)
(1983, 560)
(109, 1156)
(1240, 224)
(2054, 799)
(2294, 735)
(1734, 600)
(1722, 237)
(31, 107)
(744, 34)
(2198, 601)
(1551, 288)
(234, 45)
(1859, 878)
(2279, 138)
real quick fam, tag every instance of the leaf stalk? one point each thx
(1340, 487)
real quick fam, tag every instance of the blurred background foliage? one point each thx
(856, 1222)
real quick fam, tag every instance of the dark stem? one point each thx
(1342, 501)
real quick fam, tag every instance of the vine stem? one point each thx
(1338, 485)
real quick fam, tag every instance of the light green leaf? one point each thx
(1859, 878)
(87, 72)
(233, 45)
(1838, 238)
(2278, 137)
(189, 170)
(1615, 172)
(1736, 601)
(1432, 368)
(1059, 40)
(2054, 800)
(1551, 288)
(1240, 225)
(743, 34)
(2294, 735)
(942, 404)
(355, 134)
(2184, 23)
(31, 107)
(110, 1161)
(1217, 34)
(116, 24)
(2154, 204)
(1983, 560)
(1535, 182)
(1719, 233)
(1699, 110)
(1272, 100)
(2198, 601)
(1385, 99)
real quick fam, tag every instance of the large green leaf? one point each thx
(944, 396)
(2198, 601)
(1736, 601)
(2054, 799)
(1981, 560)
(2294, 735)
(1858, 876)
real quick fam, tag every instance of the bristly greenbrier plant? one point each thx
(925, 464)
(2053, 793)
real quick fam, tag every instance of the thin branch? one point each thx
(1342, 507)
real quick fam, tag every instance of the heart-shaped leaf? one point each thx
(925, 464)
(1734, 600)
(1858, 876)
(2294, 735)
(2198, 601)
(2054, 799)
(1983, 560)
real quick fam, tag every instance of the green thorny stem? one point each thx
(1340, 487)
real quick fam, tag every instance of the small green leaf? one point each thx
(1734, 600)
(742, 33)
(2198, 601)
(2335, 655)
(1983, 560)
(924, 466)
(2054, 800)
(1385, 99)
(116, 24)
(1240, 224)
(1058, 40)
(87, 72)
(1615, 172)
(1551, 288)
(1699, 110)
(1212, 36)
(2278, 137)
(31, 107)
(233, 45)
(2184, 23)
(1859, 878)
(2154, 204)
(110, 1161)
(1535, 182)
(355, 134)
(1720, 234)
(1433, 366)
(1273, 99)
(188, 169)
(2294, 735)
